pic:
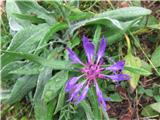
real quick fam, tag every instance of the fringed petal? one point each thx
(101, 100)
(76, 90)
(117, 66)
(71, 82)
(73, 56)
(101, 50)
(83, 94)
(89, 49)
(118, 77)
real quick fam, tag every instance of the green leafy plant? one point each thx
(35, 64)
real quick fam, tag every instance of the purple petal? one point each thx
(83, 94)
(118, 77)
(101, 100)
(76, 90)
(89, 49)
(73, 56)
(101, 50)
(71, 82)
(117, 66)
(107, 99)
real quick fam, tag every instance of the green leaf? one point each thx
(9, 67)
(114, 34)
(87, 109)
(54, 64)
(151, 110)
(77, 14)
(60, 101)
(26, 70)
(106, 117)
(31, 7)
(149, 92)
(146, 66)
(25, 41)
(95, 20)
(44, 111)
(40, 107)
(96, 37)
(149, 22)
(19, 55)
(94, 103)
(156, 26)
(22, 86)
(135, 62)
(54, 85)
(156, 107)
(148, 111)
(4, 94)
(141, 90)
(137, 70)
(58, 64)
(74, 42)
(157, 98)
(126, 13)
(156, 57)
(43, 78)
(116, 97)
(31, 18)
(51, 30)
(117, 29)
(15, 23)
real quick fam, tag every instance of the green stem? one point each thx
(128, 44)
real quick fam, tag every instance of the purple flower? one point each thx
(92, 70)
(117, 66)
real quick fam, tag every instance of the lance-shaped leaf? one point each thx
(54, 85)
(133, 62)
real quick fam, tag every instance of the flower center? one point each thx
(92, 71)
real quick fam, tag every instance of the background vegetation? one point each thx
(35, 66)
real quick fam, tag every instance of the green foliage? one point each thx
(151, 110)
(54, 85)
(97, 37)
(32, 19)
(27, 70)
(35, 64)
(87, 109)
(126, 13)
(93, 100)
(156, 57)
(32, 7)
(60, 101)
(22, 86)
(136, 63)
(137, 70)
(55, 64)
(116, 97)
(44, 111)
(40, 106)
(25, 41)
